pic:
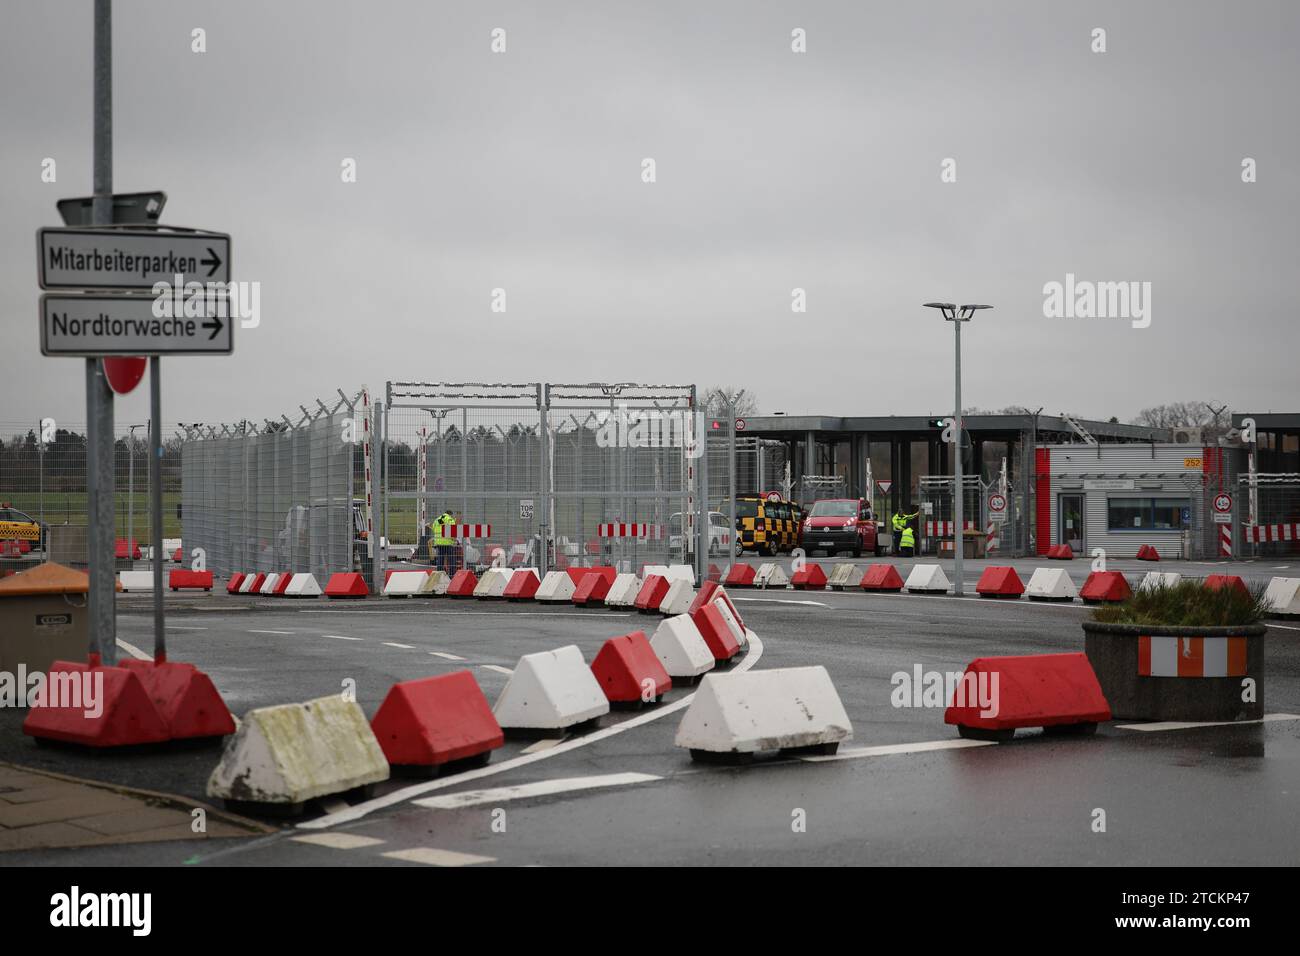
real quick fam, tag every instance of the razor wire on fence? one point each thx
(276, 496)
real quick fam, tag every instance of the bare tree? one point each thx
(1208, 416)
(717, 399)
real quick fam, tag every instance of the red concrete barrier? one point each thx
(1148, 553)
(594, 586)
(1000, 582)
(128, 716)
(1216, 581)
(345, 584)
(256, 587)
(575, 575)
(435, 720)
(622, 666)
(708, 620)
(651, 595)
(1105, 586)
(123, 549)
(715, 573)
(1058, 692)
(882, 577)
(521, 587)
(1060, 552)
(810, 577)
(185, 698)
(232, 585)
(740, 576)
(282, 584)
(190, 580)
(463, 583)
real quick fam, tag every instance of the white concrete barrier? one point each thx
(138, 580)
(550, 690)
(678, 598)
(435, 584)
(738, 632)
(770, 575)
(680, 647)
(927, 579)
(786, 708)
(1156, 579)
(623, 592)
(681, 572)
(1050, 584)
(268, 586)
(843, 576)
(659, 569)
(302, 585)
(246, 585)
(1284, 596)
(292, 753)
(405, 583)
(493, 583)
(555, 587)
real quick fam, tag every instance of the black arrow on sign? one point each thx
(212, 259)
(215, 325)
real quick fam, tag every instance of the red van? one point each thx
(839, 524)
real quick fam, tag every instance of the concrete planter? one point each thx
(1114, 652)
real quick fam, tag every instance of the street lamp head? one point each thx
(947, 308)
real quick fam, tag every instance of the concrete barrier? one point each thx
(594, 587)
(739, 576)
(523, 585)
(654, 588)
(999, 582)
(882, 577)
(623, 592)
(927, 579)
(682, 572)
(997, 695)
(437, 720)
(268, 586)
(136, 580)
(1156, 579)
(771, 575)
(282, 585)
(1215, 582)
(843, 576)
(810, 577)
(405, 583)
(189, 580)
(736, 625)
(303, 586)
(678, 644)
(435, 585)
(462, 584)
(629, 672)
(1283, 595)
(787, 709)
(548, 693)
(1105, 587)
(291, 753)
(347, 584)
(679, 597)
(234, 581)
(1051, 584)
(717, 633)
(555, 588)
(493, 583)
(252, 584)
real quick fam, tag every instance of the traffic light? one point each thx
(938, 422)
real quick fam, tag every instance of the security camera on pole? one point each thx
(957, 315)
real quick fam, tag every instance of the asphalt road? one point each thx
(1217, 795)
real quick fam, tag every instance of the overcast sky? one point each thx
(775, 171)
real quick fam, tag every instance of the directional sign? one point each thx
(92, 325)
(110, 258)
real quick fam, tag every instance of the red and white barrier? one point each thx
(1225, 540)
(1268, 533)
(652, 532)
(467, 531)
(943, 529)
(1191, 656)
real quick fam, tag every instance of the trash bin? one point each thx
(973, 544)
(43, 618)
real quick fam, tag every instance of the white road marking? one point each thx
(544, 788)
(511, 613)
(134, 651)
(1283, 626)
(775, 601)
(338, 841)
(343, 637)
(886, 750)
(270, 632)
(405, 647)
(1193, 724)
(498, 668)
(546, 743)
(431, 857)
(184, 627)
(406, 793)
(445, 656)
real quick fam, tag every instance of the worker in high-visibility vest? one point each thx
(442, 543)
(898, 523)
(907, 542)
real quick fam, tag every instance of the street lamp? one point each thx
(957, 315)
(130, 487)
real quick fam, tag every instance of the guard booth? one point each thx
(1121, 497)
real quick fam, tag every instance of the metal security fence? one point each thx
(763, 464)
(1270, 505)
(277, 495)
(1003, 537)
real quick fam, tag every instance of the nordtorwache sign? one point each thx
(135, 259)
(94, 325)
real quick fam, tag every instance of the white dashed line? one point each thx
(546, 743)
(405, 647)
(498, 668)
(1192, 724)
(134, 651)
(445, 656)
(888, 749)
(431, 857)
(544, 788)
(338, 841)
(342, 637)
(270, 632)
(184, 627)
(1283, 626)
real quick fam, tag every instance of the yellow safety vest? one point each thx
(898, 522)
(909, 539)
(444, 521)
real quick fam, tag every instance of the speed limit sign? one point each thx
(1223, 503)
(997, 503)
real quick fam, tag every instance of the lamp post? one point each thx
(130, 487)
(957, 315)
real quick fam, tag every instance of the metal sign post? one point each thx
(155, 506)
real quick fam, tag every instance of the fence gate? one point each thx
(1269, 510)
